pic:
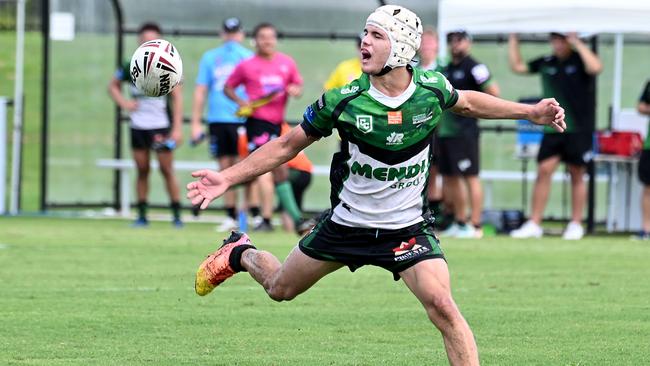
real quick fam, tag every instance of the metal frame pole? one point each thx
(45, 95)
(18, 108)
(119, 20)
(3, 155)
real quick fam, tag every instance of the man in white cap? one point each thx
(378, 217)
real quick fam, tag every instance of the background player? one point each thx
(214, 69)
(346, 71)
(150, 129)
(459, 143)
(569, 74)
(644, 166)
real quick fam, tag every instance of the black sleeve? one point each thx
(535, 65)
(645, 96)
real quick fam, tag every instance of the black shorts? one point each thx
(573, 148)
(393, 250)
(259, 132)
(224, 139)
(144, 139)
(458, 155)
(299, 180)
(644, 167)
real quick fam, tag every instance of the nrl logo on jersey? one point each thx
(350, 90)
(364, 123)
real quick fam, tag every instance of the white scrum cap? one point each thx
(404, 29)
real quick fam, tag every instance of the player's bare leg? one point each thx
(645, 204)
(166, 159)
(542, 187)
(429, 282)
(578, 191)
(285, 281)
(281, 281)
(141, 158)
(476, 198)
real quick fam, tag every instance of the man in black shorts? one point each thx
(214, 69)
(569, 74)
(644, 166)
(151, 130)
(458, 145)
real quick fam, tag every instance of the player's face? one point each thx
(265, 41)
(459, 46)
(561, 47)
(429, 46)
(375, 49)
(147, 36)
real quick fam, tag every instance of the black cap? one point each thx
(461, 33)
(232, 25)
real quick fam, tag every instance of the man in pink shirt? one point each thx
(270, 78)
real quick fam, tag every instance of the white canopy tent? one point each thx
(521, 16)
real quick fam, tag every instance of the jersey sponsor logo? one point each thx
(320, 104)
(350, 90)
(309, 114)
(419, 119)
(458, 75)
(570, 69)
(364, 123)
(550, 70)
(429, 80)
(389, 174)
(395, 138)
(408, 250)
(394, 117)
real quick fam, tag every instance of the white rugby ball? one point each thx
(156, 68)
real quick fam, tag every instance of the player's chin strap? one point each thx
(384, 71)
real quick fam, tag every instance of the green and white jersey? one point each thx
(380, 176)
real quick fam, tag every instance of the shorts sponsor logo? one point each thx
(349, 89)
(419, 119)
(364, 123)
(408, 250)
(587, 156)
(395, 138)
(394, 117)
(464, 164)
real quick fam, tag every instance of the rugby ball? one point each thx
(156, 68)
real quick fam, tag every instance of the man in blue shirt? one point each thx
(215, 68)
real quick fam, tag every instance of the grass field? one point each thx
(91, 292)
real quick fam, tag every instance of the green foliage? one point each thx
(80, 292)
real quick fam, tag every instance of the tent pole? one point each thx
(618, 75)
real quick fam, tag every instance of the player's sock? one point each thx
(232, 212)
(255, 211)
(142, 210)
(460, 222)
(285, 195)
(235, 257)
(176, 210)
(478, 226)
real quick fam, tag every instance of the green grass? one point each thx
(81, 113)
(91, 292)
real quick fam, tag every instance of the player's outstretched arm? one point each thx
(211, 184)
(481, 105)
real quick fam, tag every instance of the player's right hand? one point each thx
(197, 135)
(130, 105)
(208, 186)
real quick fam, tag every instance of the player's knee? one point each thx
(143, 172)
(441, 309)
(279, 292)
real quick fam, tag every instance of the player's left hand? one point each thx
(572, 38)
(294, 90)
(177, 136)
(206, 188)
(548, 112)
